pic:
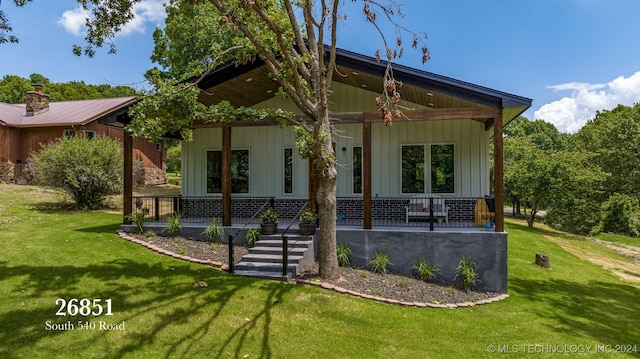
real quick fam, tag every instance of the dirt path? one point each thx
(628, 270)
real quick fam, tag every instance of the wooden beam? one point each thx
(479, 113)
(127, 207)
(366, 174)
(226, 176)
(483, 114)
(498, 166)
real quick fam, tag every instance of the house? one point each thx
(438, 154)
(24, 127)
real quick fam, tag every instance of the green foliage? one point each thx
(253, 235)
(466, 271)
(13, 89)
(613, 137)
(213, 232)
(270, 216)
(173, 224)
(138, 218)
(174, 159)
(380, 262)
(576, 193)
(308, 216)
(88, 170)
(426, 271)
(344, 254)
(621, 215)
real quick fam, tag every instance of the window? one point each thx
(442, 169)
(69, 133)
(357, 169)
(158, 147)
(413, 169)
(90, 135)
(239, 171)
(288, 170)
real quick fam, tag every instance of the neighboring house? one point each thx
(24, 127)
(436, 160)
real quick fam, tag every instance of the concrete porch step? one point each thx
(270, 258)
(262, 274)
(266, 257)
(294, 242)
(275, 268)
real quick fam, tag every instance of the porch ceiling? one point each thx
(248, 85)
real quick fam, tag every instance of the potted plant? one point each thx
(269, 221)
(308, 220)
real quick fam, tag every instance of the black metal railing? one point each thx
(233, 236)
(285, 241)
(416, 211)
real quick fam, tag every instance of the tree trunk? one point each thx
(326, 197)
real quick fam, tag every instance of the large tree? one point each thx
(297, 42)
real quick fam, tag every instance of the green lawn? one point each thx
(49, 253)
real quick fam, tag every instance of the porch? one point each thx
(467, 214)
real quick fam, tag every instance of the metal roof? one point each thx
(67, 113)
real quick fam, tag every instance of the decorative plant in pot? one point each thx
(308, 220)
(269, 221)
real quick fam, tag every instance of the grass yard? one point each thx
(50, 253)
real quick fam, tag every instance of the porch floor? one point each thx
(400, 226)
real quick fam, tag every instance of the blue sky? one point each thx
(572, 57)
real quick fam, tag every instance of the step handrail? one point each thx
(271, 202)
(285, 241)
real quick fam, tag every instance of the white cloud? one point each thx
(73, 20)
(570, 113)
(145, 11)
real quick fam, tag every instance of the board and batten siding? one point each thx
(266, 146)
(266, 150)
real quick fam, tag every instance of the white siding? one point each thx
(266, 160)
(266, 145)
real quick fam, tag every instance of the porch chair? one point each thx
(419, 209)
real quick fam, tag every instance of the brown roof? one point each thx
(67, 113)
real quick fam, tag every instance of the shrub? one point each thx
(426, 271)
(173, 224)
(86, 169)
(344, 254)
(620, 215)
(467, 272)
(253, 235)
(138, 218)
(213, 232)
(174, 158)
(380, 262)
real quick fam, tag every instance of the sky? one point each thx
(572, 57)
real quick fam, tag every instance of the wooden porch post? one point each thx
(366, 172)
(127, 207)
(312, 184)
(498, 167)
(226, 176)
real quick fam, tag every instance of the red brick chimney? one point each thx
(37, 101)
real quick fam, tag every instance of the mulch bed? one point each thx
(355, 281)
